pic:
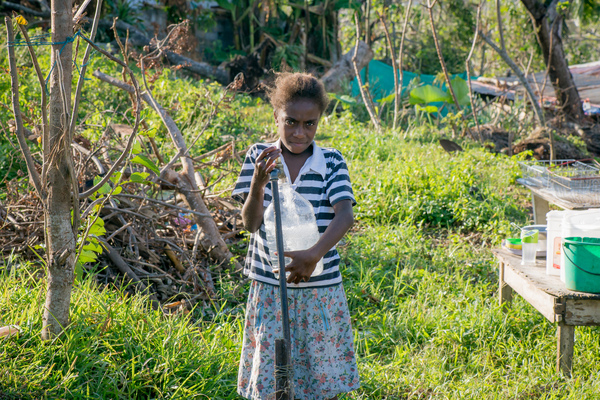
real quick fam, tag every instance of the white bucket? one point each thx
(554, 242)
(580, 224)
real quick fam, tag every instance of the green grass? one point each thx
(420, 280)
(117, 347)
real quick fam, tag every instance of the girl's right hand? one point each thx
(265, 163)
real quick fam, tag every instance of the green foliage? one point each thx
(287, 56)
(427, 94)
(426, 187)
(419, 275)
(126, 10)
(11, 163)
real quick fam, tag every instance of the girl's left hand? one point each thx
(302, 266)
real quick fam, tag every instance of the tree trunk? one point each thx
(547, 23)
(343, 70)
(59, 230)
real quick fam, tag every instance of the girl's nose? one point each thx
(299, 131)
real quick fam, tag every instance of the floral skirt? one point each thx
(322, 343)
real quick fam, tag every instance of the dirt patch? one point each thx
(566, 136)
(539, 143)
(493, 137)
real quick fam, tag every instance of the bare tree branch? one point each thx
(500, 26)
(86, 56)
(366, 99)
(14, 82)
(468, 65)
(441, 57)
(504, 55)
(401, 51)
(26, 10)
(81, 10)
(44, 105)
(136, 125)
(397, 87)
(185, 181)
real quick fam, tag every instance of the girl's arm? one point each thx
(253, 209)
(304, 262)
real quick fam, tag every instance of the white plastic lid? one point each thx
(556, 215)
(587, 220)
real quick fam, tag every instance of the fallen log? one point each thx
(343, 70)
(221, 75)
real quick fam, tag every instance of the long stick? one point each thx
(44, 99)
(441, 56)
(86, 56)
(283, 371)
(184, 181)
(365, 97)
(401, 50)
(468, 65)
(136, 90)
(504, 55)
(14, 81)
(397, 87)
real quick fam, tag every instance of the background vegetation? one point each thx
(418, 271)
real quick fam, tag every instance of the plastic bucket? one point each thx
(582, 224)
(582, 264)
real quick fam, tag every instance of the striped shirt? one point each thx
(323, 181)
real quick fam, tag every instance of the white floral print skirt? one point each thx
(323, 358)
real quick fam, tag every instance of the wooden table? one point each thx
(542, 197)
(551, 298)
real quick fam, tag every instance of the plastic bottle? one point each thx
(554, 242)
(587, 107)
(300, 230)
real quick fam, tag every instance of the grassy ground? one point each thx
(419, 276)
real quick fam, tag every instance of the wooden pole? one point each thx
(283, 370)
(564, 352)
(281, 378)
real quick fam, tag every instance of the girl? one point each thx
(322, 348)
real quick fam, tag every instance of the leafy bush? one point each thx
(412, 180)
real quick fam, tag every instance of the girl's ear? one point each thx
(275, 116)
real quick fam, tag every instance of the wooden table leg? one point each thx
(565, 335)
(540, 209)
(504, 291)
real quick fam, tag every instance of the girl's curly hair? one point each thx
(293, 86)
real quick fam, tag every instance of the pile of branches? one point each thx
(151, 244)
(160, 231)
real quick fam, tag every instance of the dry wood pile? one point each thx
(152, 243)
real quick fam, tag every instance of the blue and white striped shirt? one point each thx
(323, 181)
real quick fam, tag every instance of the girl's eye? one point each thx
(310, 123)
(289, 122)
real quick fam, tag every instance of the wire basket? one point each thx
(576, 181)
(569, 180)
(536, 173)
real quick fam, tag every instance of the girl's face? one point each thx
(297, 124)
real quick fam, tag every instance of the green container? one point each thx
(582, 264)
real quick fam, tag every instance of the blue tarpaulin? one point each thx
(381, 82)
(381, 79)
